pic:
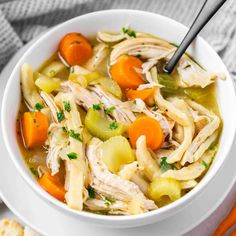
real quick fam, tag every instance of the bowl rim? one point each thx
(183, 201)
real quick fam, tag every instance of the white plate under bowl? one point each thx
(47, 220)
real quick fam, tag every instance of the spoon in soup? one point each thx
(209, 8)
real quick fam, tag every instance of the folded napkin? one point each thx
(22, 20)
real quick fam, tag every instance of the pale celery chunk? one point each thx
(162, 187)
(47, 84)
(117, 152)
(111, 86)
(53, 69)
(93, 76)
(100, 127)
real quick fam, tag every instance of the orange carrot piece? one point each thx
(34, 128)
(124, 73)
(52, 185)
(142, 94)
(228, 222)
(150, 128)
(75, 49)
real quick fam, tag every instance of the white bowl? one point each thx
(114, 20)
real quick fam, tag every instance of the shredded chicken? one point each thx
(49, 100)
(109, 184)
(188, 132)
(154, 50)
(100, 53)
(57, 139)
(202, 136)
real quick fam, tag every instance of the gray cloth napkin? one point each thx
(22, 20)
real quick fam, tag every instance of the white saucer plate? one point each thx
(47, 220)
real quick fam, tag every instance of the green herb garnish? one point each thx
(72, 155)
(129, 32)
(109, 201)
(34, 172)
(60, 116)
(109, 110)
(91, 192)
(164, 165)
(134, 102)
(64, 129)
(67, 106)
(213, 147)
(154, 107)
(75, 135)
(205, 164)
(38, 107)
(97, 106)
(52, 73)
(113, 125)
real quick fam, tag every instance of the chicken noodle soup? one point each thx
(104, 129)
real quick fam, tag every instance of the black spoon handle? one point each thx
(209, 8)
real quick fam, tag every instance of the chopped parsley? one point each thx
(75, 135)
(97, 106)
(91, 192)
(109, 201)
(205, 164)
(64, 129)
(213, 147)
(164, 165)
(38, 107)
(72, 155)
(129, 32)
(60, 116)
(113, 125)
(67, 106)
(134, 102)
(109, 110)
(154, 107)
(52, 73)
(34, 172)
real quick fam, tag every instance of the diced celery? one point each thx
(111, 86)
(168, 81)
(47, 84)
(93, 76)
(199, 95)
(53, 69)
(79, 79)
(117, 152)
(100, 127)
(162, 187)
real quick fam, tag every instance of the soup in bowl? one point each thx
(103, 132)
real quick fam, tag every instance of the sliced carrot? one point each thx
(228, 222)
(149, 127)
(35, 128)
(144, 94)
(52, 185)
(75, 49)
(124, 73)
